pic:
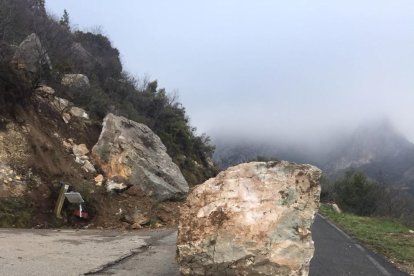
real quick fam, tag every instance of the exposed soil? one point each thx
(31, 145)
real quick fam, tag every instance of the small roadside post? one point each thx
(61, 199)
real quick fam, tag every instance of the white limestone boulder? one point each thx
(252, 219)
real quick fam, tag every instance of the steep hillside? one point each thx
(42, 148)
(111, 89)
(56, 87)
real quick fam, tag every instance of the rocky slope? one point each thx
(85, 68)
(56, 87)
(43, 150)
(47, 141)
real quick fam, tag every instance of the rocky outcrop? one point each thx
(30, 56)
(75, 81)
(132, 152)
(252, 219)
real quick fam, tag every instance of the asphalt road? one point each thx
(157, 260)
(63, 252)
(152, 253)
(336, 254)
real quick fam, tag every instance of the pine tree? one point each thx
(64, 21)
(40, 4)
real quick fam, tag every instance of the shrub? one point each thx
(327, 189)
(355, 193)
(15, 88)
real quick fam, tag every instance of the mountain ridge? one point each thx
(376, 148)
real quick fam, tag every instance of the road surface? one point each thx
(337, 254)
(63, 252)
(152, 252)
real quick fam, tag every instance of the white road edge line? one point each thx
(336, 227)
(372, 260)
(360, 247)
(379, 267)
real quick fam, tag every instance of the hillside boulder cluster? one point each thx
(127, 154)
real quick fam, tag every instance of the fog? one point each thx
(302, 70)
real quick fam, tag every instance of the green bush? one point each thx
(15, 87)
(327, 189)
(355, 193)
(15, 212)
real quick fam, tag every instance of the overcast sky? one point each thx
(267, 67)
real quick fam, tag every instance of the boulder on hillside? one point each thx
(99, 179)
(75, 81)
(252, 219)
(60, 104)
(45, 91)
(79, 112)
(30, 56)
(133, 152)
(80, 150)
(82, 58)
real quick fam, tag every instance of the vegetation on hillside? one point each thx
(357, 194)
(112, 89)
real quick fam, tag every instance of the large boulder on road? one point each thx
(133, 152)
(252, 219)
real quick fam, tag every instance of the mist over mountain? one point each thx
(377, 148)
